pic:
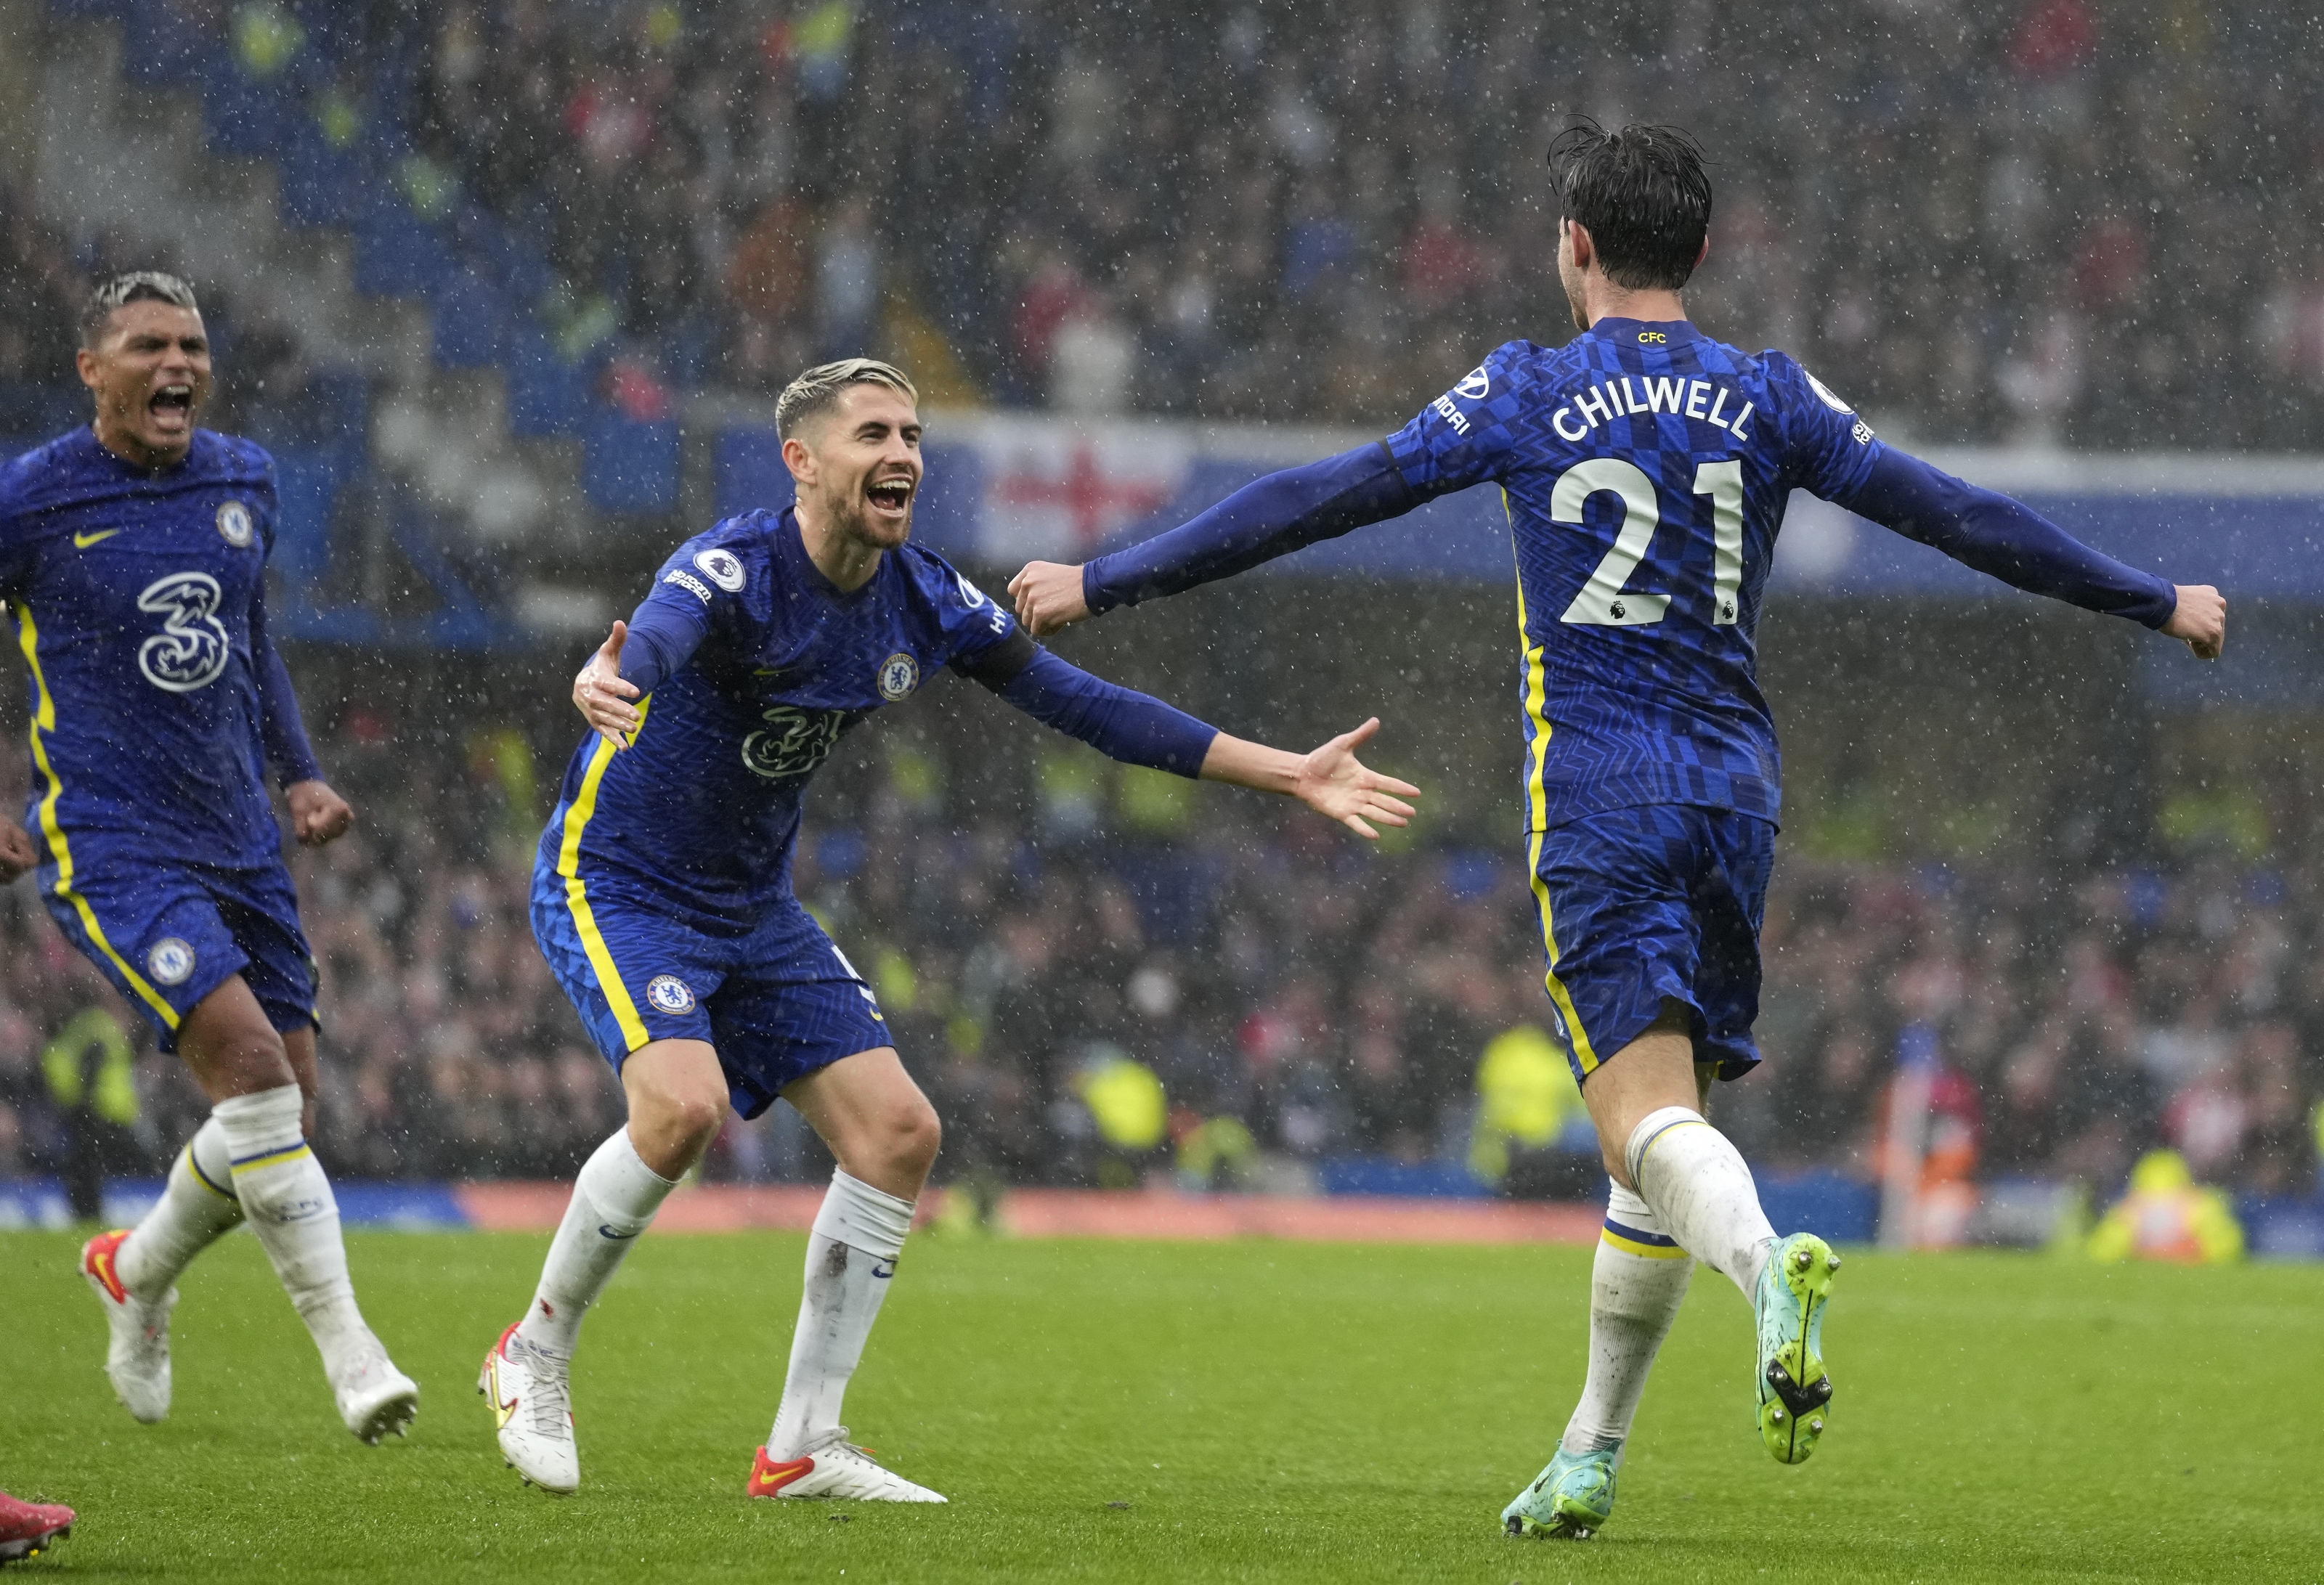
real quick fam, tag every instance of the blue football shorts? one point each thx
(167, 932)
(775, 999)
(1640, 906)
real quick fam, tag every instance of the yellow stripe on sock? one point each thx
(1536, 689)
(1664, 1132)
(578, 816)
(195, 1168)
(273, 1158)
(1632, 1247)
(45, 719)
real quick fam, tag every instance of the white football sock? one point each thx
(851, 1256)
(1701, 1192)
(614, 1201)
(1636, 1285)
(295, 1215)
(196, 1207)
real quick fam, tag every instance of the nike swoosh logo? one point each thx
(771, 1480)
(605, 1232)
(83, 541)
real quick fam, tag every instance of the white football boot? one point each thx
(137, 1357)
(374, 1398)
(837, 1469)
(532, 1397)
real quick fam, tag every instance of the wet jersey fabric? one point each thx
(1645, 469)
(775, 999)
(1650, 903)
(138, 600)
(157, 699)
(702, 808)
(169, 931)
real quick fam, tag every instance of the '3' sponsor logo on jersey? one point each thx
(794, 741)
(192, 648)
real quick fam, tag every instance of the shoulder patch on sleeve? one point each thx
(1824, 393)
(722, 567)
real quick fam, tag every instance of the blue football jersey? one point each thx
(134, 595)
(1645, 468)
(703, 808)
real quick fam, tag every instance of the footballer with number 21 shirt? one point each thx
(1645, 467)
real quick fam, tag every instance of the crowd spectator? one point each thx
(1983, 220)
(1297, 997)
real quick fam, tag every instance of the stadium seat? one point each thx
(161, 45)
(307, 486)
(244, 114)
(471, 321)
(627, 465)
(397, 253)
(319, 185)
(545, 394)
(747, 464)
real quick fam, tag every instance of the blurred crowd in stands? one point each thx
(1982, 219)
(1990, 218)
(1147, 982)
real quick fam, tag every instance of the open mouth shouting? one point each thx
(171, 407)
(890, 499)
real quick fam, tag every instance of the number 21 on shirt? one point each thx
(1603, 601)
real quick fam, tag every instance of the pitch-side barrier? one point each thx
(2284, 1227)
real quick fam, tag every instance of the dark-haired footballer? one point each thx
(1645, 467)
(662, 891)
(133, 556)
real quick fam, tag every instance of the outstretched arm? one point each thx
(2011, 541)
(660, 636)
(1140, 730)
(1266, 517)
(318, 815)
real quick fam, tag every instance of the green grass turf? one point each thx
(1265, 1411)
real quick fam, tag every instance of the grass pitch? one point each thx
(1245, 1411)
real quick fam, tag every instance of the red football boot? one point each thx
(26, 1528)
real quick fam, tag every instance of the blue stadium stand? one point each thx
(629, 467)
(471, 321)
(547, 395)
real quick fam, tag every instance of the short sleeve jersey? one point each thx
(702, 809)
(1645, 468)
(132, 594)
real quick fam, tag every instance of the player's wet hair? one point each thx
(1643, 196)
(816, 392)
(120, 291)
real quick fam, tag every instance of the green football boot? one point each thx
(1570, 1499)
(1794, 1388)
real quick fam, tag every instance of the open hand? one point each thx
(1335, 784)
(1049, 597)
(602, 697)
(2199, 621)
(17, 853)
(318, 815)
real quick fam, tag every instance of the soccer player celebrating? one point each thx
(663, 900)
(1645, 467)
(132, 556)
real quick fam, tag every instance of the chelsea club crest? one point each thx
(234, 525)
(899, 673)
(671, 994)
(171, 961)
